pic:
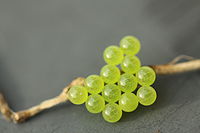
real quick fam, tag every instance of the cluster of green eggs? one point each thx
(112, 92)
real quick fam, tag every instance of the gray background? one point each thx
(45, 44)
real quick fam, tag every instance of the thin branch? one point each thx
(171, 68)
(181, 57)
(177, 68)
(21, 116)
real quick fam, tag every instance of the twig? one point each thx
(181, 57)
(171, 68)
(177, 68)
(21, 116)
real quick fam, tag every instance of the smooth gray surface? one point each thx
(45, 44)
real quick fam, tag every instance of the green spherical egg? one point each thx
(95, 103)
(94, 84)
(128, 102)
(146, 95)
(130, 45)
(110, 74)
(77, 94)
(113, 55)
(130, 64)
(127, 82)
(111, 93)
(112, 112)
(146, 76)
